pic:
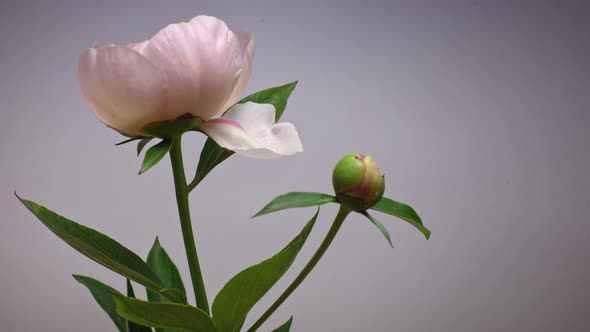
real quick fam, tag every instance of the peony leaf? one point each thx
(402, 211)
(285, 327)
(131, 326)
(213, 154)
(102, 295)
(163, 315)
(154, 154)
(378, 225)
(276, 96)
(244, 290)
(97, 246)
(295, 200)
(159, 261)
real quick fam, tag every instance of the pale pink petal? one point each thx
(228, 134)
(246, 40)
(138, 47)
(249, 129)
(202, 62)
(126, 91)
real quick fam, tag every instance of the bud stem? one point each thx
(185, 224)
(338, 221)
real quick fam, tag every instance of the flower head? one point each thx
(358, 182)
(199, 68)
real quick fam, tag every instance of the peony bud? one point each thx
(358, 182)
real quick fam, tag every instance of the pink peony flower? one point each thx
(199, 68)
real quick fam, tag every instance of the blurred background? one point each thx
(477, 111)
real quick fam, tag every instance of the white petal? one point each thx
(228, 134)
(126, 91)
(257, 119)
(202, 62)
(246, 40)
(249, 129)
(283, 141)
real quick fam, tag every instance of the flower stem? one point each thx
(185, 224)
(342, 213)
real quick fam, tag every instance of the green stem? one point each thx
(342, 213)
(185, 223)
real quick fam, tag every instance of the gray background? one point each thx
(477, 111)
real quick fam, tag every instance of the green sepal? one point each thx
(102, 295)
(96, 246)
(129, 140)
(243, 291)
(142, 143)
(159, 261)
(402, 211)
(132, 326)
(163, 315)
(295, 199)
(285, 327)
(213, 154)
(174, 128)
(358, 182)
(378, 225)
(154, 154)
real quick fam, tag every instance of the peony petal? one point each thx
(138, 47)
(282, 141)
(249, 129)
(246, 40)
(228, 134)
(202, 62)
(126, 91)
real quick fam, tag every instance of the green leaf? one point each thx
(213, 154)
(174, 295)
(295, 200)
(141, 144)
(276, 96)
(154, 155)
(102, 295)
(164, 315)
(378, 225)
(159, 261)
(244, 290)
(285, 327)
(402, 211)
(96, 246)
(131, 326)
